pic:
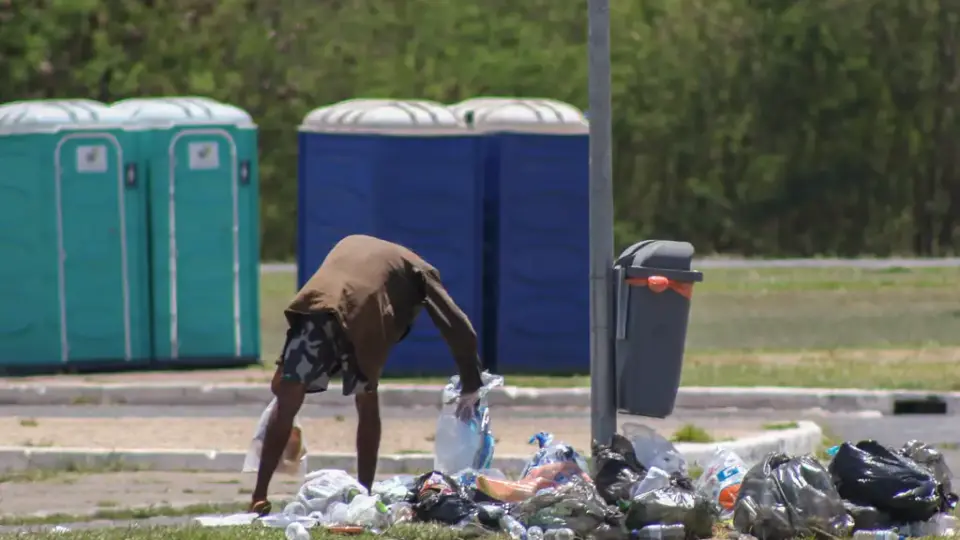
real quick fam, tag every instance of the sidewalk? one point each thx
(322, 435)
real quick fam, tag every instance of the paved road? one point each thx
(274, 268)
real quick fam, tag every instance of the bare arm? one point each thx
(456, 330)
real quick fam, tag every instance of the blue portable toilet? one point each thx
(404, 171)
(73, 239)
(201, 157)
(536, 170)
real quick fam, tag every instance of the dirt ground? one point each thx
(78, 494)
(337, 434)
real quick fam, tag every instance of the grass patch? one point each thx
(400, 532)
(806, 327)
(690, 433)
(780, 426)
(119, 514)
(68, 468)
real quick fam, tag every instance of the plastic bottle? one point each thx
(295, 509)
(534, 533)
(336, 513)
(296, 531)
(512, 527)
(876, 535)
(400, 512)
(560, 534)
(659, 532)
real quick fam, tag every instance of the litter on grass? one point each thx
(636, 487)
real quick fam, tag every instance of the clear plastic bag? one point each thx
(653, 450)
(721, 479)
(932, 459)
(463, 445)
(575, 505)
(394, 490)
(785, 497)
(294, 458)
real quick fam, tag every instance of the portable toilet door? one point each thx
(205, 241)
(73, 239)
(537, 221)
(404, 171)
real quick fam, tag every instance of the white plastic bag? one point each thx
(721, 479)
(327, 486)
(653, 450)
(294, 458)
(463, 445)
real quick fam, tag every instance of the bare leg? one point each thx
(289, 400)
(368, 437)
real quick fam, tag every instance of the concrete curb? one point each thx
(803, 439)
(691, 398)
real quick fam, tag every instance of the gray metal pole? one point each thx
(602, 399)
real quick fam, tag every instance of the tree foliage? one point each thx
(766, 127)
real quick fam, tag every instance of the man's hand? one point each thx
(467, 406)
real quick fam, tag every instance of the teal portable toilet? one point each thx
(74, 276)
(201, 158)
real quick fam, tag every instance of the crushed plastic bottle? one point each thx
(296, 531)
(560, 534)
(876, 535)
(336, 514)
(534, 533)
(400, 512)
(721, 479)
(512, 527)
(659, 532)
(367, 511)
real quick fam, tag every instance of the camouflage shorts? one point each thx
(316, 350)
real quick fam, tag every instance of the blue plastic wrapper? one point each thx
(552, 453)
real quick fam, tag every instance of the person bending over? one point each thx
(362, 300)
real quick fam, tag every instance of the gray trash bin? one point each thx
(653, 286)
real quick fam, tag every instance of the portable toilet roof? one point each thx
(192, 110)
(51, 116)
(521, 115)
(388, 116)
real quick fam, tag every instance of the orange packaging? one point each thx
(543, 477)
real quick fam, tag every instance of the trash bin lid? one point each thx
(666, 257)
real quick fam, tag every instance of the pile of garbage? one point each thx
(638, 487)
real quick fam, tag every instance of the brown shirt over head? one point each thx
(375, 288)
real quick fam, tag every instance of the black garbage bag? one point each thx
(440, 499)
(867, 518)
(870, 474)
(615, 469)
(931, 458)
(678, 503)
(786, 497)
